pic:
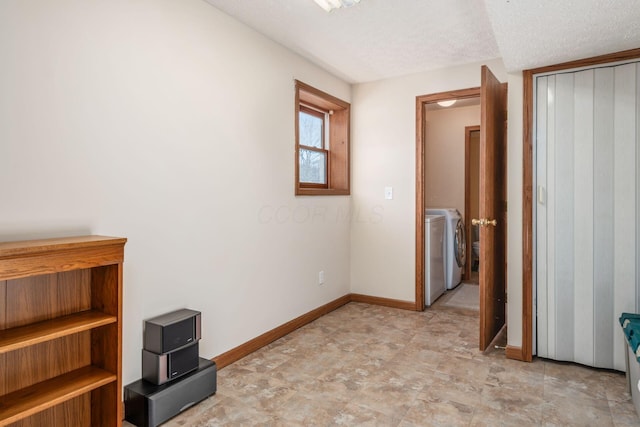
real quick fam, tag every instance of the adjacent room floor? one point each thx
(371, 365)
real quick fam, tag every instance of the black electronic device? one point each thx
(171, 331)
(148, 405)
(160, 368)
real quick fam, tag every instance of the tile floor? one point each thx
(369, 365)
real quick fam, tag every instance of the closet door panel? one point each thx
(624, 197)
(542, 312)
(551, 224)
(583, 218)
(563, 237)
(603, 216)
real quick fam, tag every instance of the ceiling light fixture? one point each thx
(329, 5)
(448, 103)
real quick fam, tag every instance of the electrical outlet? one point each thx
(321, 278)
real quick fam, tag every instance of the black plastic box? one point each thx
(149, 405)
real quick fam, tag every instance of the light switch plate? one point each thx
(388, 193)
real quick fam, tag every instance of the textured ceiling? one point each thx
(379, 39)
(544, 32)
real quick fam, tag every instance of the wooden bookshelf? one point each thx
(61, 332)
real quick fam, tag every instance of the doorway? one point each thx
(493, 96)
(421, 131)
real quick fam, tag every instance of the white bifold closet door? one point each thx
(587, 212)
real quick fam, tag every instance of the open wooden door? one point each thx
(492, 221)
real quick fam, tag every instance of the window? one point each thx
(312, 151)
(322, 143)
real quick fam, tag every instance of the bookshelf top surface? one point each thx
(29, 247)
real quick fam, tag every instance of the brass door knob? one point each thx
(484, 222)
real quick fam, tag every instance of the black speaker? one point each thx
(148, 405)
(160, 368)
(171, 331)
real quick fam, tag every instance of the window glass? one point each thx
(313, 166)
(311, 129)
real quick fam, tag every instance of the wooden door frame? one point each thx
(421, 102)
(526, 351)
(467, 202)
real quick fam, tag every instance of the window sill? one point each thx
(321, 192)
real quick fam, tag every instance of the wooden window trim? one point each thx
(335, 142)
(313, 185)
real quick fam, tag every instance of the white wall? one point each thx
(444, 155)
(171, 124)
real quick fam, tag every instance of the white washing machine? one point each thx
(455, 252)
(434, 258)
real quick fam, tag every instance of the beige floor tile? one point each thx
(623, 413)
(228, 412)
(438, 412)
(355, 414)
(514, 377)
(570, 411)
(260, 391)
(524, 403)
(484, 417)
(452, 388)
(309, 409)
(470, 370)
(390, 392)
